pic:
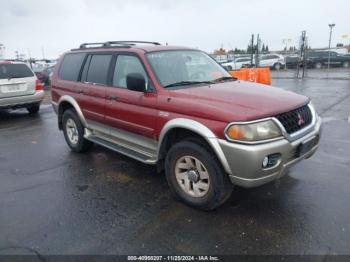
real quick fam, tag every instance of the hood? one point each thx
(234, 101)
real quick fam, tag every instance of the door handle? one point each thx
(80, 91)
(113, 97)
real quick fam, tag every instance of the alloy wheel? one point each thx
(72, 131)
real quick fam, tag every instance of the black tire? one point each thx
(82, 144)
(34, 109)
(277, 66)
(220, 187)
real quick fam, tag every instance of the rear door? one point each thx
(267, 60)
(16, 79)
(92, 86)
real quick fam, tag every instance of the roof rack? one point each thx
(90, 45)
(133, 42)
(121, 44)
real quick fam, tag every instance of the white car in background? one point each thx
(19, 87)
(238, 63)
(274, 61)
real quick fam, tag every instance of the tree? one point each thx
(220, 51)
(263, 48)
(249, 49)
(267, 48)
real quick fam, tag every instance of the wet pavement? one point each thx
(324, 73)
(53, 201)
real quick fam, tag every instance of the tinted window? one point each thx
(124, 66)
(243, 60)
(85, 69)
(316, 54)
(98, 69)
(70, 67)
(14, 71)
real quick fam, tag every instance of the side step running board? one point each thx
(123, 150)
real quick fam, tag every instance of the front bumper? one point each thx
(22, 101)
(245, 161)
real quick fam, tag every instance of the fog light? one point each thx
(265, 162)
(271, 160)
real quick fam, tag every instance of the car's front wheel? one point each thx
(195, 176)
(74, 132)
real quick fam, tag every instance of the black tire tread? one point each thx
(83, 145)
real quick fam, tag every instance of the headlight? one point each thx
(253, 132)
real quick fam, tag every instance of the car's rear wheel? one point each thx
(74, 132)
(277, 66)
(34, 109)
(196, 177)
(346, 64)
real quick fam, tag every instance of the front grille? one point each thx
(296, 119)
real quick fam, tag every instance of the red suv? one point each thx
(177, 108)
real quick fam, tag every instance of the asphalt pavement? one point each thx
(53, 201)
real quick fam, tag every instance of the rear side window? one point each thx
(71, 66)
(8, 71)
(98, 69)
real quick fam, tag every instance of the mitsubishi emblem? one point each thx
(301, 120)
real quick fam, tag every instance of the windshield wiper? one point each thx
(225, 78)
(12, 76)
(186, 83)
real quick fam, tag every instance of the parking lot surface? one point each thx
(53, 201)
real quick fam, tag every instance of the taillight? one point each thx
(38, 85)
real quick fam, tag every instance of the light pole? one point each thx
(329, 44)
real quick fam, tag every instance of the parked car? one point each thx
(19, 87)
(207, 130)
(238, 63)
(292, 60)
(274, 61)
(44, 74)
(319, 59)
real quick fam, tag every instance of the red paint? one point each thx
(212, 105)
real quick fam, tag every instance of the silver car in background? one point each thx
(237, 63)
(274, 61)
(19, 87)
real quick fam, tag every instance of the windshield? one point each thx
(185, 67)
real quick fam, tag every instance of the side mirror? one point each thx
(136, 82)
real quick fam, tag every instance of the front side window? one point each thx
(185, 66)
(243, 60)
(98, 69)
(125, 65)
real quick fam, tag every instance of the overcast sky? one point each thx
(57, 25)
